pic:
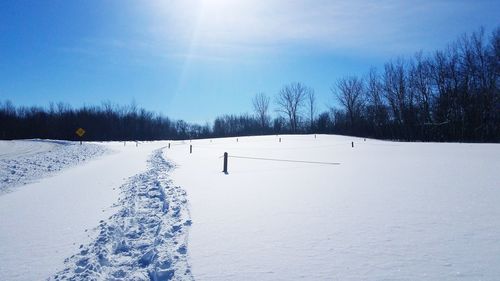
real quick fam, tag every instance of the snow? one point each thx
(24, 161)
(146, 239)
(44, 222)
(388, 211)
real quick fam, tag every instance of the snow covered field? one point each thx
(389, 211)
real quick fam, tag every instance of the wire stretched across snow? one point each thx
(283, 160)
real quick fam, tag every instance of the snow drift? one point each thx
(24, 161)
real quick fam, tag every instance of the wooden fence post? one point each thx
(352, 144)
(190, 148)
(225, 163)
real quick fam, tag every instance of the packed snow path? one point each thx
(44, 222)
(145, 240)
(23, 161)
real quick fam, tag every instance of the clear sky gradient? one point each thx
(196, 59)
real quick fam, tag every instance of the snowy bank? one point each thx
(24, 161)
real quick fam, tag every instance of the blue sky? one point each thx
(196, 59)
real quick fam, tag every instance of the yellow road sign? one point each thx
(80, 132)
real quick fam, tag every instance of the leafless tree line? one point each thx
(105, 122)
(449, 95)
(290, 101)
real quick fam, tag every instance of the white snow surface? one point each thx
(45, 222)
(389, 211)
(24, 161)
(145, 240)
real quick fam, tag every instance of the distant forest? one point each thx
(449, 95)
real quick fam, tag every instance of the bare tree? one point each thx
(261, 108)
(374, 89)
(395, 82)
(311, 104)
(420, 82)
(400, 97)
(375, 108)
(289, 100)
(349, 93)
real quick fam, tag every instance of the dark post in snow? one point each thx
(280, 139)
(136, 144)
(236, 139)
(124, 143)
(352, 144)
(314, 136)
(190, 148)
(168, 145)
(225, 163)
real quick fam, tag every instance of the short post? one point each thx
(365, 139)
(236, 139)
(352, 144)
(136, 144)
(280, 139)
(168, 145)
(80, 142)
(190, 148)
(124, 143)
(225, 163)
(314, 135)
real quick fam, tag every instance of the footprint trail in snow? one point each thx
(145, 240)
